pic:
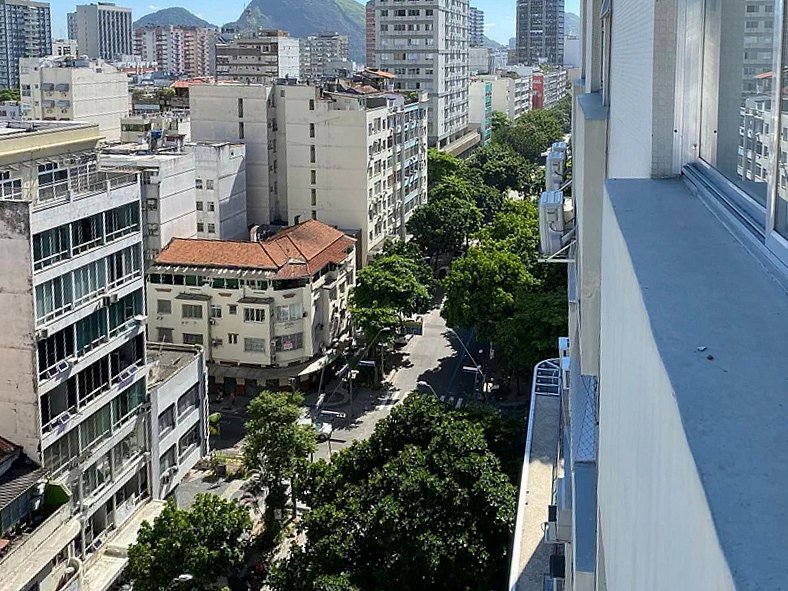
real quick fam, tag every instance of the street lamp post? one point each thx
(426, 385)
(179, 580)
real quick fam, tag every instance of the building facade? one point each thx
(548, 88)
(658, 433)
(352, 160)
(480, 61)
(318, 52)
(25, 31)
(425, 45)
(64, 47)
(178, 50)
(370, 35)
(476, 26)
(221, 190)
(540, 32)
(71, 89)
(480, 108)
(103, 30)
(262, 57)
(272, 308)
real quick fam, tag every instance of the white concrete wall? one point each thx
(225, 166)
(214, 112)
(653, 512)
(20, 419)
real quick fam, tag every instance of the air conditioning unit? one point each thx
(110, 299)
(217, 342)
(140, 319)
(554, 170)
(564, 360)
(558, 527)
(42, 333)
(551, 221)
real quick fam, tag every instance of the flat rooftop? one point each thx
(166, 359)
(14, 128)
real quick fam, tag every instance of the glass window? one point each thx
(189, 441)
(167, 460)
(163, 307)
(191, 311)
(232, 338)
(199, 206)
(164, 335)
(781, 201)
(254, 345)
(211, 228)
(50, 247)
(53, 298)
(254, 315)
(289, 312)
(216, 311)
(188, 401)
(736, 126)
(290, 342)
(209, 184)
(233, 309)
(167, 421)
(88, 282)
(192, 339)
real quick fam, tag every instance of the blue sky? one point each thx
(499, 14)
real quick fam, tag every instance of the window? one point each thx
(254, 345)
(311, 154)
(198, 184)
(211, 228)
(240, 130)
(189, 441)
(254, 315)
(53, 298)
(10, 188)
(209, 184)
(199, 206)
(314, 197)
(123, 266)
(232, 338)
(167, 421)
(311, 104)
(167, 460)
(192, 339)
(163, 307)
(200, 227)
(191, 311)
(216, 311)
(240, 107)
(87, 233)
(189, 401)
(50, 247)
(311, 130)
(211, 206)
(313, 177)
(233, 309)
(165, 335)
(88, 282)
(124, 220)
(290, 342)
(289, 312)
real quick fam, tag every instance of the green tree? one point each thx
(393, 281)
(10, 94)
(422, 504)
(372, 322)
(441, 165)
(276, 446)
(471, 187)
(515, 229)
(532, 133)
(481, 287)
(443, 226)
(500, 121)
(208, 541)
(500, 167)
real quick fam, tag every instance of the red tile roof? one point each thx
(297, 251)
(7, 448)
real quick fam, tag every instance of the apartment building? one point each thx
(169, 193)
(167, 126)
(76, 395)
(64, 47)
(318, 52)
(102, 30)
(511, 93)
(239, 113)
(479, 60)
(221, 190)
(548, 87)
(73, 89)
(425, 44)
(677, 273)
(178, 50)
(10, 111)
(353, 157)
(264, 311)
(25, 31)
(259, 58)
(476, 26)
(370, 35)
(480, 108)
(540, 32)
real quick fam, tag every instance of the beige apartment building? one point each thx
(264, 311)
(259, 58)
(178, 50)
(73, 89)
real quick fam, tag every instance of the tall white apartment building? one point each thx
(72, 89)
(672, 378)
(511, 93)
(64, 47)
(25, 31)
(178, 50)
(476, 26)
(319, 51)
(259, 58)
(169, 191)
(355, 160)
(221, 190)
(239, 113)
(425, 44)
(76, 390)
(102, 30)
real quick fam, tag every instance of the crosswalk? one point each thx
(454, 401)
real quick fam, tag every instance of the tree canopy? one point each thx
(440, 165)
(395, 282)
(208, 541)
(422, 504)
(442, 226)
(500, 167)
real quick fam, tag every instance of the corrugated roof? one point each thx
(22, 476)
(297, 251)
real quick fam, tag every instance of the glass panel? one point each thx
(781, 205)
(736, 111)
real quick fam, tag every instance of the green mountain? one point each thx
(302, 18)
(171, 16)
(571, 24)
